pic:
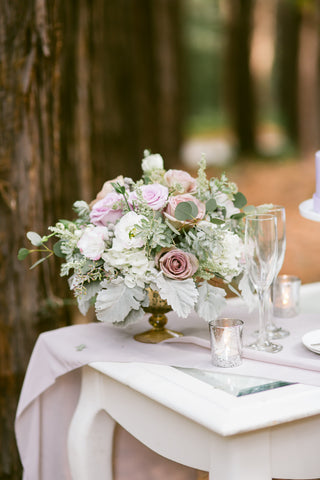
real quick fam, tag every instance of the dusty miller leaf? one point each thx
(211, 301)
(84, 301)
(114, 302)
(180, 294)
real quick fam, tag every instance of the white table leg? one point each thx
(243, 457)
(90, 439)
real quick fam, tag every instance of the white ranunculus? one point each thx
(229, 254)
(124, 232)
(92, 242)
(152, 162)
(133, 263)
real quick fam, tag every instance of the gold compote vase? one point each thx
(158, 308)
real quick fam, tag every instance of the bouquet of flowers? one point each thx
(168, 231)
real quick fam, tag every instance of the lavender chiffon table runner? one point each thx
(52, 383)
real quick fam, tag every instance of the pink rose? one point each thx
(154, 194)
(174, 202)
(107, 210)
(178, 264)
(180, 182)
(107, 188)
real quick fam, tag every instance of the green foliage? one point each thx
(23, 253)
(186, 211)
(239, 200)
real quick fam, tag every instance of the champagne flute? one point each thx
(261, 253)
(279, 212)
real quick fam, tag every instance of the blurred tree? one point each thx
(85, 86)
(122, 86)
(239, 88)
(309, 78)
(287, 66)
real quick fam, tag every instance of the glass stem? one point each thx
(269, 304)
(263, 311)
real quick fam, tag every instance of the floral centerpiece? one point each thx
(167, 232)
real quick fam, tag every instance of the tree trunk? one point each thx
(239, 90)
(30, 195)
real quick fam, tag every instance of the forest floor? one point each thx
(287, 182)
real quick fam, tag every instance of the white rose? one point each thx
(223, 200)
(92, 242)
(152, 162)
(124, 232)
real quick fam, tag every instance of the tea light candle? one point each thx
(286, 293)
(226, 342)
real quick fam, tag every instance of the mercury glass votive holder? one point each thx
(226, 342)
(286, 296)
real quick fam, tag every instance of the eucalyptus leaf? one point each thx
(237, 216)
(186, 211)
(39, 261)
(23, 253)
(34, 238)
(249, 209)
(239, 200)
(217, 221)
(211, 205)
(64, 222)
(57, 249)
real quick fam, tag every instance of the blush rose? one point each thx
(107, 210)
(154, 194)
(180, 182)
(107, 188)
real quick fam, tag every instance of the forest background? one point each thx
(87, 85)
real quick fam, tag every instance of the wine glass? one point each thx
(279, 212)
(261, 253)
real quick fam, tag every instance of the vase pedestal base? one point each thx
(156, 335)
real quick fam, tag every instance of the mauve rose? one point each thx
(178, 264)
(174, 202)
(107, 188)
(154, 194)
(187, 184)
(107, 210)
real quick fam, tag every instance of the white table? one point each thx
(270, 434)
